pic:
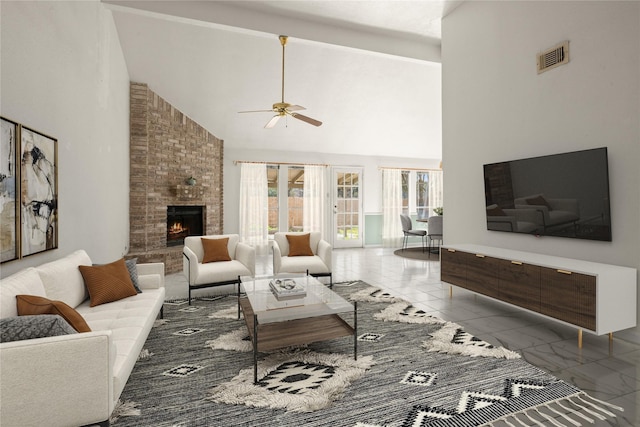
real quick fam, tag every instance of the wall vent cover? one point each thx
(554, 57)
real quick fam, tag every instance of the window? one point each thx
(422, 194)
(272, 194)
(405, 192)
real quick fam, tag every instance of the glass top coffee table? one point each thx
(274, 323)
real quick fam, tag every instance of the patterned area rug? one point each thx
(412, 370)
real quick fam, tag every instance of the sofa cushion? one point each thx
(29, 305)
(23, 282)
(108, 282)
(215, 250)
(30, 327)
(299, 245)
(62, 280)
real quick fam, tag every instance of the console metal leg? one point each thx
(239, 298)
(579, 338)
(355, 330)
(255, 348)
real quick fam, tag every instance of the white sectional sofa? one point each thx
(74, 379)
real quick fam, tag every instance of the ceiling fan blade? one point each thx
(272, 122)
(295, 108)
(306, 119)
(256, 111)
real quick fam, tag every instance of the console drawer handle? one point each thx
(516, 262)
(480, 255)
(564, 271)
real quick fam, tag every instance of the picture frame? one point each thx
(38, 192)
(9, 182)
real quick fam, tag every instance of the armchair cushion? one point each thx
(215, 250)
(299, 245)
(108, 282)
(30, 305)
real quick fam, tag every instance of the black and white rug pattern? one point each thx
(198, 371)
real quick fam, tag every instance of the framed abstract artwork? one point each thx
(38, 192)
(9, 213)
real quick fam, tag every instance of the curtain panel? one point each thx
(313, 202)
(391, 208)
(254, 220)
(435, 191)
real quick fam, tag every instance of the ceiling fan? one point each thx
(283, 108)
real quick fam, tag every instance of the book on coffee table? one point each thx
(287, 289)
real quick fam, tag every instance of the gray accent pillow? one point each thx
(133, 273)
(29, 327)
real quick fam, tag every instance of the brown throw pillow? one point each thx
(29, 305)
(496, 211)
(215, 250)
(539, 200)
(299, 245)
(108, 282)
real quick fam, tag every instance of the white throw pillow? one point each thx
(62, 279)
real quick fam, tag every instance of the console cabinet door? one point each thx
(520, 284)
(568, 296)
(453, 267)
(483, 275)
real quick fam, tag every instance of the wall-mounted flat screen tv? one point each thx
(564, 195)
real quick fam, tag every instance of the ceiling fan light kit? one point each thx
(282, 108)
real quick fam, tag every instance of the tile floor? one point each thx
(607, 371)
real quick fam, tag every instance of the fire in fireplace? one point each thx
(183, 221)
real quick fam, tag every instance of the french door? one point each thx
(347, 208)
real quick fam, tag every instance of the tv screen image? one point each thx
(564, 195)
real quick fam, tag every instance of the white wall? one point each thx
(371, 179)
(63, 73)
(496, 107)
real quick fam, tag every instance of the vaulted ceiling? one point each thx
(369, 70)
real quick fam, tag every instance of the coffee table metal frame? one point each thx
(274, 323)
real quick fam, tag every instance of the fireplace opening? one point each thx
(183, 221)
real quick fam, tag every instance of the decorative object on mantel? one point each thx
(191, 181)
(189, 191)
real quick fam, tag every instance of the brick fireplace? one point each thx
(166, 148)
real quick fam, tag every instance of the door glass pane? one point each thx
(347, 206)
(272, 189)
(295, 200)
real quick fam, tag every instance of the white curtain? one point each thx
(391, 208)
(313, 202)
(254, 219)
(435, 190)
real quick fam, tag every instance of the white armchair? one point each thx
(204, 275)
(317, 265)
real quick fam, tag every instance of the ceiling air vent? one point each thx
(554, 57)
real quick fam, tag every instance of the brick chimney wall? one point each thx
(166, 148)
